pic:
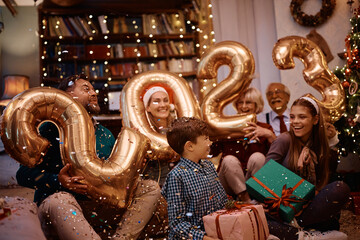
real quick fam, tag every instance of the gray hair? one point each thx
(286, 89)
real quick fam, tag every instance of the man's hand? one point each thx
(330, 130)
(72, 183)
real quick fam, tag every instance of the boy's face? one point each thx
(202, 147)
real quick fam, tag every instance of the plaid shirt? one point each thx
(192, 190)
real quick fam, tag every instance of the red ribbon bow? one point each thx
(286, 197)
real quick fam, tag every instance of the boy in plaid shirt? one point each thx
(192, 189)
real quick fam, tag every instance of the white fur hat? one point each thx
(150, 92)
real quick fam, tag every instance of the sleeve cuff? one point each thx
(333, 141)
(197, 234)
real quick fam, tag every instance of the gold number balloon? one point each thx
(133, 110)
(242, 66)
(316, 73)
(113, 181)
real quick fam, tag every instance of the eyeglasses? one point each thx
(277, 91)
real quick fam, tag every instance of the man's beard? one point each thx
(93, 108)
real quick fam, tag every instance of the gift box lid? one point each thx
(275, 176)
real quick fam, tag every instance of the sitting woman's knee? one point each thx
(230, 161)
(257, 160)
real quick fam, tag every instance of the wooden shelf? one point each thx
(116, 7)
(89, 53)
(116, 38)
(117, 60)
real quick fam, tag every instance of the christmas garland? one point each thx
(300, 17)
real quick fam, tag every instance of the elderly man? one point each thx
(278, 96)
(64, 207)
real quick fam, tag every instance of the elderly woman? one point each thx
(243, 157)
(159, 110)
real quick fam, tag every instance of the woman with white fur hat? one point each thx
(160, 113)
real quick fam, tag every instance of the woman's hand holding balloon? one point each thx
(255, 132)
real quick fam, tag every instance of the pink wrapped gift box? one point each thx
(247, 223)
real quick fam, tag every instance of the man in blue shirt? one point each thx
(192, 189)
(64, 208)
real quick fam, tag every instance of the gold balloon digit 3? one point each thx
(316, 73)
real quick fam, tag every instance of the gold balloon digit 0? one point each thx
(316, 73)
(112, 181)
(134, 114)
(241, 63)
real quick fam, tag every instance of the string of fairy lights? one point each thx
(203, 27)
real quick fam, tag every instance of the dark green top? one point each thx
(44, 177)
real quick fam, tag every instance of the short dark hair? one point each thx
(66, 84)
(185, 129)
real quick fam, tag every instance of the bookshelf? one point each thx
(111, 41)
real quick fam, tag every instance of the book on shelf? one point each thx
(51, 28)
(117, 69)
(148, 66)
(103, 25)
(60, 70)
(153, 49)
(178, 23)
(172, 23)
(192, 15)
(85, 26)
(129, 69)
(149, 24)
(78, 28)
(165, 49)
(110, 24)
(167, 24)
(143, 50)
(93, 24)
(116, 25)
(124, 70)
(54, 27)
(79, 24)
(64, 31)
(181, 65)
(71, 28)
(70, 51)
(174, 50)
(92, 70)
(134, 24)
(97, 51)
(123, 26)
(130, 50)
(119, 51)
(185, 47)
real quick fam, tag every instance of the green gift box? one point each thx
(269, 184)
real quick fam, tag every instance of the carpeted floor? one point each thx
(350, 223)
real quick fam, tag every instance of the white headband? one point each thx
(313, 102)
(150, 92)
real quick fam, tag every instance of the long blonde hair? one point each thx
(317, 142)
